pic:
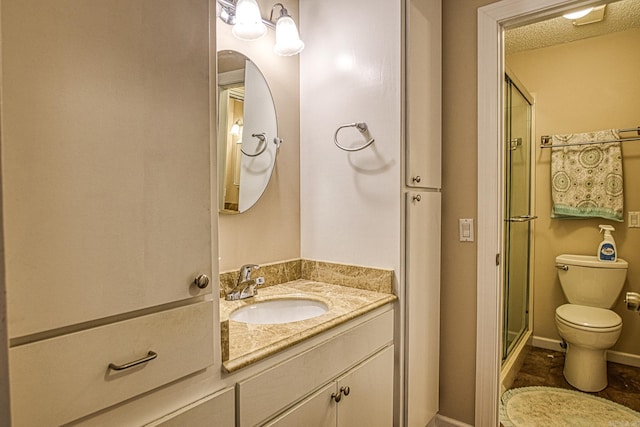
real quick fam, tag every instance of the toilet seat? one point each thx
(588, 318)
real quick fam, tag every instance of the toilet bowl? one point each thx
(587, 324)
(588, 332)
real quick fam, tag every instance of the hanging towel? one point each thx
(586, 180)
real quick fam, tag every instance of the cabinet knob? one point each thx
(416, 179)
(417, 198)
(202, 281)
(343, 391)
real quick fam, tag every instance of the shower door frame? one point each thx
(492, 20)
(526, 332)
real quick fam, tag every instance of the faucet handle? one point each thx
(245, 271)
(249, 268)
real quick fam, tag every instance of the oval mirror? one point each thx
(247, 133)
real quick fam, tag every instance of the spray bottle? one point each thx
(607, 250)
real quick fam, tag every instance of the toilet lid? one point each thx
(592, 317)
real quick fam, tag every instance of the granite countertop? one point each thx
(249, 343)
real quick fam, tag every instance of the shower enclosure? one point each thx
(517, 213)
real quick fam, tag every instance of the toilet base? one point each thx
(585, 369)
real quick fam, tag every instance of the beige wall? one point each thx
(586, 85)
(459, 200)
(270, 230)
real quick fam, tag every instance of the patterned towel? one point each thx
(586, 180)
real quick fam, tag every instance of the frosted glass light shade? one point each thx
(249, 25)
(287, 38)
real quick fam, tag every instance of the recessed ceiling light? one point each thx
(596, 15)
(578, 14)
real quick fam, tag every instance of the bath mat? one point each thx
(557, 407)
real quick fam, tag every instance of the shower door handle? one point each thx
(522, 218)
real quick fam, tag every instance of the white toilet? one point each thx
(586, 323)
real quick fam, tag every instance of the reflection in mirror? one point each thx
(247, 133)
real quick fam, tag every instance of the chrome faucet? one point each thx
(246, 286)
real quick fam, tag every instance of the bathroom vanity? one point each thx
(336, 368)
(360, 358)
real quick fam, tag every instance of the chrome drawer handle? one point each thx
(150, 356)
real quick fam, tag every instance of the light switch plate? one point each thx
(634, 220)
(467, 233)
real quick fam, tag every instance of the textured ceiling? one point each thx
(619, 16)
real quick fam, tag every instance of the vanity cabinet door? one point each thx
(106, 157)
(319, 410)
(367, 393)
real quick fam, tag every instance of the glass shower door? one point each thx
(517, 215)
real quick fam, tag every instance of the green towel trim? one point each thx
(564, 211)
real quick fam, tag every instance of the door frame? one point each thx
(492, 20)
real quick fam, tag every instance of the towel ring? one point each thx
(362, 127)
(262, 138)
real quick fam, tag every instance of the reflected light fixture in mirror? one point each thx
(236, 129)
(248, 24)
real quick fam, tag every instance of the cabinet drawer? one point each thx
(58, 380)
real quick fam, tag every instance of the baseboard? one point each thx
(546, 343)
(612, 355)
(442, 421)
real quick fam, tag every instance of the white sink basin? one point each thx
(282, 310)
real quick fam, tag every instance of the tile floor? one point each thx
(544, 368)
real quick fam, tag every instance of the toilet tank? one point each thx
(587, 281)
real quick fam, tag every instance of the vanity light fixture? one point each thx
(248, 24)
(287, 38)
(227, 13)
